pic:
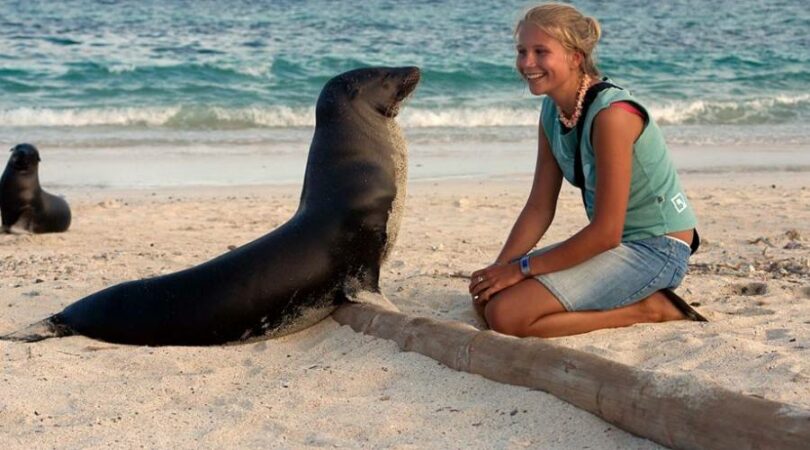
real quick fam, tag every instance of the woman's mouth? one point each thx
(533, 76)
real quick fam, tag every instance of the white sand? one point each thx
(330, 387)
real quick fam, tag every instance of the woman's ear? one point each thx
(576, 59)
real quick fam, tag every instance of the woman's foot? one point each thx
(661, 309)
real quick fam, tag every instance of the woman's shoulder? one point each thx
(617, 95)
(613, 92)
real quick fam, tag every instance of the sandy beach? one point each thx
(328, 386)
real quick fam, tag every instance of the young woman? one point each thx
(612, 273)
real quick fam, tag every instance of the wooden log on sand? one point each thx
(678, 411)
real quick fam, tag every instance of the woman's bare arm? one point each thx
(538, 213)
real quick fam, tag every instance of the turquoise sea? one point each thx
(89, 74)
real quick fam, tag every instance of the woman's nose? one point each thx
(525, 61)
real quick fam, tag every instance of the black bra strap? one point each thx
(590, 96)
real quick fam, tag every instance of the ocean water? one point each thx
(206, 75)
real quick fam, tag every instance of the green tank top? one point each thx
(657, 204)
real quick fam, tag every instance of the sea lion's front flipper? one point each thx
(23, 223)
(372, 298)
(44, 329)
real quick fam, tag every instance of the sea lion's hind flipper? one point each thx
(684, 307)
(44, 329)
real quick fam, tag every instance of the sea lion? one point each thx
(328, 253)
(23, 203)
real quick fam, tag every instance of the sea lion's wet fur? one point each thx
(326, 254)
(24, 205)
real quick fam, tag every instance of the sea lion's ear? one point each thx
(353, 92)
(38, 158)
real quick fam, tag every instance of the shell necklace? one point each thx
(572, 122)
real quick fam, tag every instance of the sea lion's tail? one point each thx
(48, 328)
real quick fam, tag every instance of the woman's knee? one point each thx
(504, 315)
(514, 310)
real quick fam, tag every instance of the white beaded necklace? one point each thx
(572, 122)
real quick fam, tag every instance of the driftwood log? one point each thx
(678, 411)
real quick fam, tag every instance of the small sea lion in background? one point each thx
(328, 253)
(23, 203)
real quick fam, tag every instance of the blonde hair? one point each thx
(576, 32)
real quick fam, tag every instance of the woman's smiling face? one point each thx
(542, 60)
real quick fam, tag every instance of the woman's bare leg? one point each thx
(530, 309)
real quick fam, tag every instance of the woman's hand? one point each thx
(490, 280)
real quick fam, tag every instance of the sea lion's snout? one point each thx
(408, 78)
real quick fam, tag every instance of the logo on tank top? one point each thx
(679, 202)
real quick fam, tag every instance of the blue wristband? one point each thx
(524, 266)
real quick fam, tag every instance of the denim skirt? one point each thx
(620, 276)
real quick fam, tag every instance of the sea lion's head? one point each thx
(24, 157)
(373, 90)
